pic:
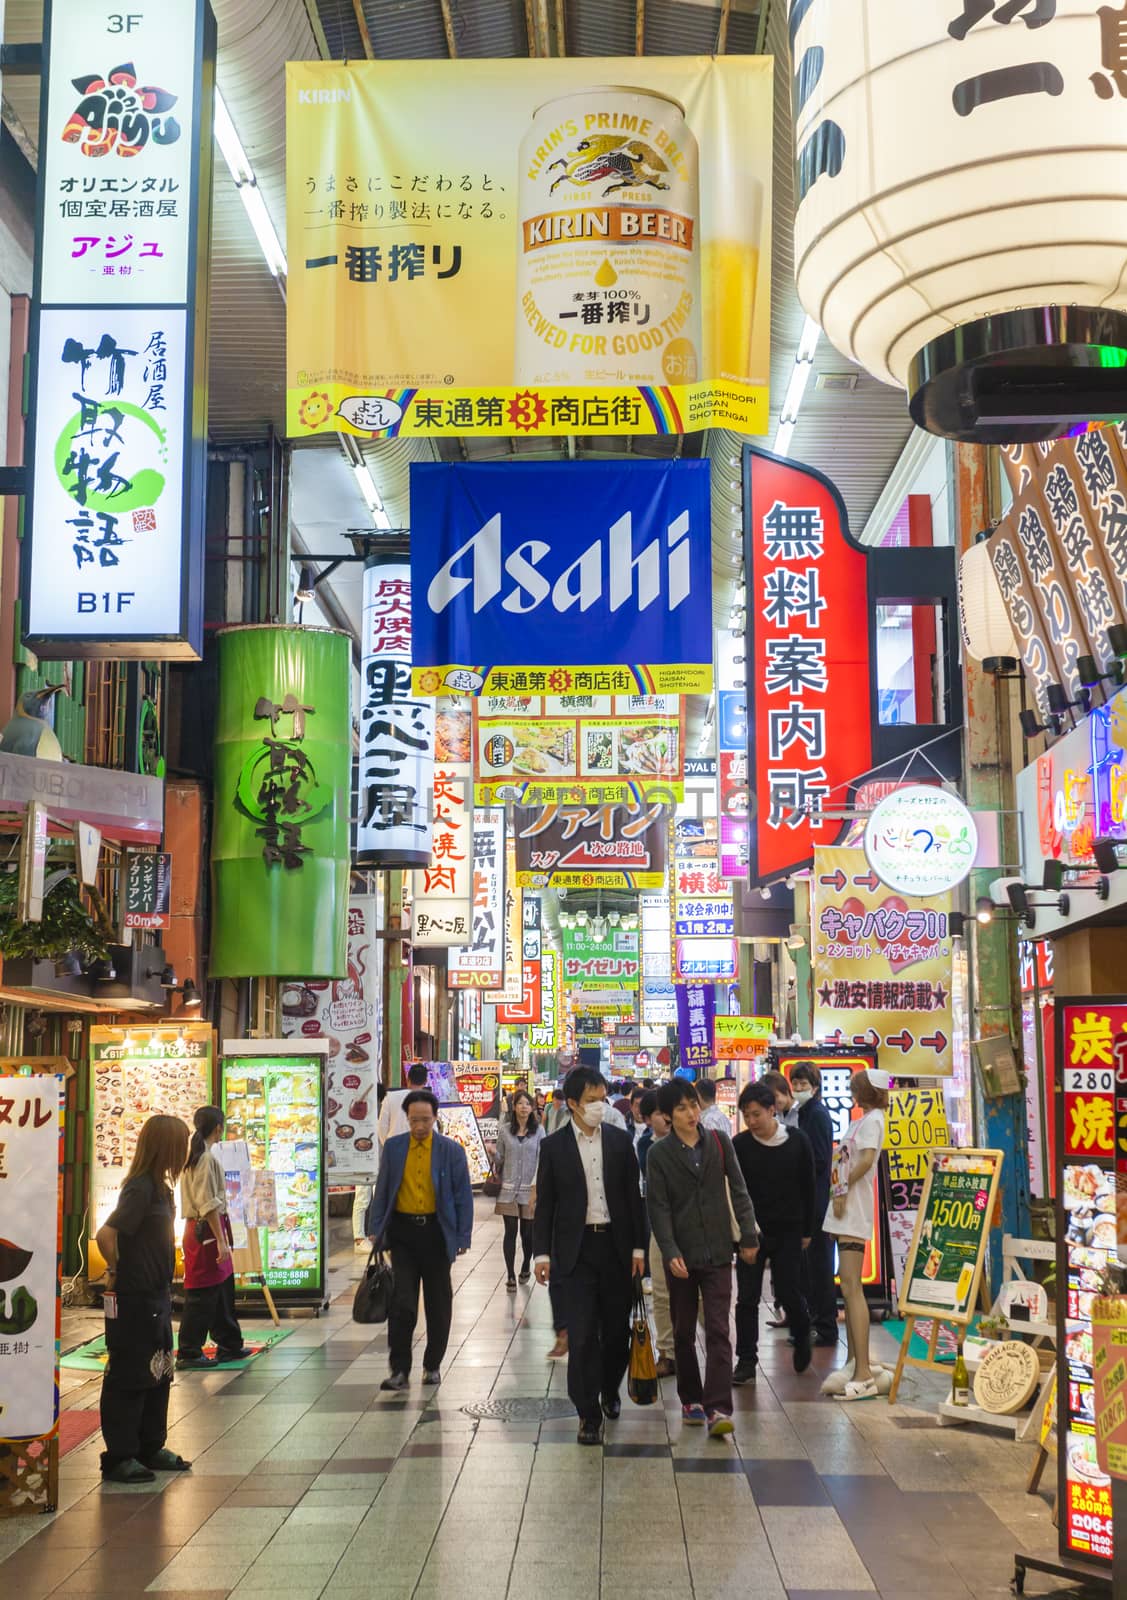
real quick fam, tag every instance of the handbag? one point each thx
(733, 1220)
(642, 1383)
(372, 1300)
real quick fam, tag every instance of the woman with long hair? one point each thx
(518, 1153)
(850, 1219)
(138, 1243)
(209, 1273)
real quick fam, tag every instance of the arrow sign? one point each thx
(870, 881)
(871, 1037)
(836, 880)
(903, 1041)
(937, 1042)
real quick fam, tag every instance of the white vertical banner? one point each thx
(397, 732)
(481, 963)
(30, 1132)
(442, 901)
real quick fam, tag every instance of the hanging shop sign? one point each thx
(808, 648)
(733, 795)
(527, 1009)
(547, 1034)
(612, 963)
(495, 247)
(1088, 1030)
(659, 1002)
(118, 413)
(441, 903)
(397, 732)
(348, 1012)
(146, 888)
(601, 748)
(572, 578)
(281, 851)
(127, 806)
(274, 1099)
(705, 961)
(992, 112)
(916, 1124)
(588, 846)
(921, 840)
(516, 907)
(1060, 555)
(702, 900)
(31, 1165)
(137, 1073)
(481, 1091)
(481, 963)
(882, 969)
(696, 1015)
(742, 1038)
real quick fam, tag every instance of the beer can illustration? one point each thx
(608, 277)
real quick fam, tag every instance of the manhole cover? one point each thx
(520, 1409)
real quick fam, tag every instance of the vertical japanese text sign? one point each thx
(808, 648)
(118, 416)
(396, 731)
(442, 903)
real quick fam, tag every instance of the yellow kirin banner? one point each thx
(529, 247)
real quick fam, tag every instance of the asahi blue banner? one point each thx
(572, 578)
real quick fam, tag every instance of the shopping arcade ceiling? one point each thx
(854, 435)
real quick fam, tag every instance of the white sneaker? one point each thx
(835, 1383)
(866, 1390)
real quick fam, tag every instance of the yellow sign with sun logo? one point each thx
(511, 247)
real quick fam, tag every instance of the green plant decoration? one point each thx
(24, 1312)
(65, 925)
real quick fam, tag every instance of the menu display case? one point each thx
(275, 1101)
(137, 1073)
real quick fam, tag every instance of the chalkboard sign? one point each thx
(944, 1266)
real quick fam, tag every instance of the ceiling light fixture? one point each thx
(796, 388)
(243, 175)
(306, 583)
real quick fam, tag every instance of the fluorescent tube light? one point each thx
(238, 164)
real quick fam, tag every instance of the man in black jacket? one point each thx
(778, 1168)
(816, 1123)
(589, 1233)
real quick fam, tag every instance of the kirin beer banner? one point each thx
(397, 742)
(280, 852)
(526, 248)
(808, 650)
(573, 578)
(118, 411)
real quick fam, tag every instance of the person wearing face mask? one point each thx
(815, 1122)
(589, 1236)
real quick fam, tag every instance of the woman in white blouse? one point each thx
(209, 1273)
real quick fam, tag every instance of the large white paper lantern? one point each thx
(961, 200)
(986, 628)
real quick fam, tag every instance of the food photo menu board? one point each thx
(1086, 1034)
(135, 1074)
(275, 1103)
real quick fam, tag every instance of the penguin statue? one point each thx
(28, 732)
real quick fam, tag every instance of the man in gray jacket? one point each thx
(689, 1179)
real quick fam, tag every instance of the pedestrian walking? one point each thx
(138, 1243)
(209, 1272)
(657, 1127)
(518, 1151)
(815, 1122)
(422, 1211)
(393, 1114)
(588, 1231)
(850, 1220)
(694, 1190)
(711, 1115)
(778, 1168)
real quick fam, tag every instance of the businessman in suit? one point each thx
(422, 1211)
(589, 1231)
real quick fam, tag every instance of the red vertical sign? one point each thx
(808, 661)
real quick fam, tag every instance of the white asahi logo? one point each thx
(580, 584)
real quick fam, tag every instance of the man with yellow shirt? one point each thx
(422, 1211)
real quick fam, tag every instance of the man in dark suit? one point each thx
(422, 1211)
(814, 1121)
(589, 1231)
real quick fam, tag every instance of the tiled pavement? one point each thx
(307, 1483)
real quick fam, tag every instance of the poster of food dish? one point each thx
(137, 1073)
(276, 1104)
(458, 1122)
(348, 1014)
(622, 746)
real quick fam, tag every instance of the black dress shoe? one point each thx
(395, 1380)
(745, 1371)
(612, 1407)
(827, 1341)
(590, 1431)
(803, 1355)
(432, 1376)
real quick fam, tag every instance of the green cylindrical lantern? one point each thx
(283, 771)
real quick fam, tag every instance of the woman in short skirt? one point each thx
(518, 1151)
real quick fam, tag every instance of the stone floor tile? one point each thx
(813, 1550)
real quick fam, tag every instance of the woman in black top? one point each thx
(138, 1244)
